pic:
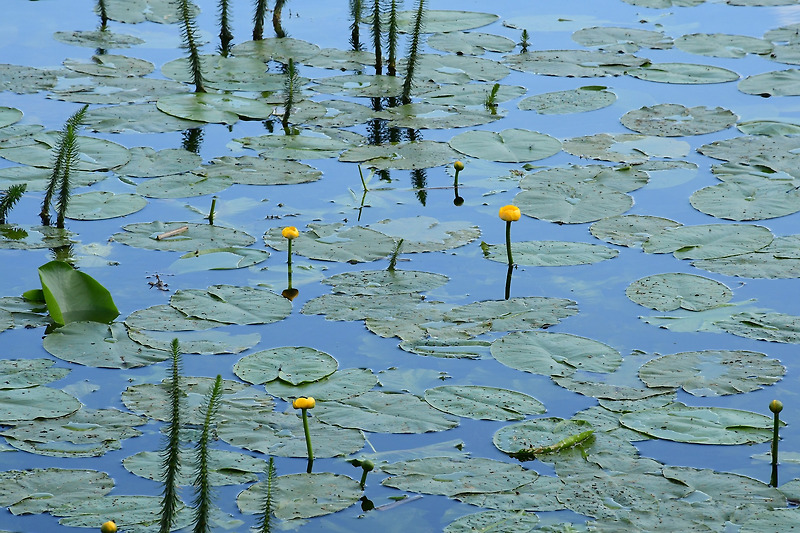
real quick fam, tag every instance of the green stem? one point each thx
(508, 243)
(211, 212)
(289, 256)
(308, 440)
(364, 478)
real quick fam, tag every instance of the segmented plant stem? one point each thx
(10, 197)
(188, 33)
(203, 495)
(413, 52)
(258, 19)
(170, 455)
(266, 519)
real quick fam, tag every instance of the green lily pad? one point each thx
(773, 327)
(360, 307)
(538, 433)
(282, 435)
(530, 312)
(199, 342)
(309, 144)
(186, 185)
(384, 413)
(26, 80)
(509, 146)
(701, 425)
(400, 156)
(120, 90)
(779, 260)
(293, 364)
(230, 304)
(93, 154)
(167, 318)
(337, 386)
(440, 69)
(111, 65)
(22, 490)
(214, 108)
(26, 373)
(9, 115)
(276, 49)
(708, 241)
(483, 403)
(471, 94)
(623, 178)
(723, 45)
(426, 234)
(625, 147)
(224, 467)
(16, 237)
(473, 43)
(447, 348)
(139, 512)
(23, 405)
(146, 162)
(666, 292)
(97, 39)
(608, 391)
(627, 40)
(676, 120)
(456, 475)
(303, 495)
(196, 237)
(713, 372)
(384, 282)
(427, 115)
(497, 521)
(227, 258)
(140, 118)
(335, 242)
(248, 170)
(342, 60)
(554, 354)
(683, 73)
(102, 205)
(360, 85)
(84, 433)
(771, 521)
(552, 253)
(630, 230)
(572, 202)
(229, 73)
(439, 21)
(775, 83)
(587, 98)
(747, 198)
(574, 63)
(38, 179)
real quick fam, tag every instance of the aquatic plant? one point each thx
(457, 200)
(66, 159)
(391, 40)
(290, 233)
(225, 33)
(366, 465)
(289, 94)
(170, 454)
(375, 29)
(304, 404)
(190, 44)
(202, 483)
(490, 102)
(74, 296)
(101, 9)
(259, 14)
(211, 211)
(9, 197)
(529, 454)
(524, 43)
(276, 18)
(509, 213)
(191, 139)
(265, 520)
(776, 406)
(355, 30)
(413, 52)
(108, 527)
(395, 253)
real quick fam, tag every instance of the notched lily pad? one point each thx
(509, 146)
(666, 292)
(335, 242)
(579, 100)
(483, 403)
(293, 364)
(675, 120)
(552, 253)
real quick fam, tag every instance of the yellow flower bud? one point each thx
(509, 213)
(776, 406)
(108, 527)
(290, 232)
(458, 165)
(304, 403)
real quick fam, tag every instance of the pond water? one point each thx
(588, 305)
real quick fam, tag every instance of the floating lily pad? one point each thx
(572, 202)
(146, 162)
(384, 413)
(120, 90)
(471, 94)
(141, 118)
(483, 403)
(456, 69)
(84, 433)
(401, 156)
(456, 475)
(747, 198)
(447, 348)
(625, 147)
(552, 253)
(102, 205)
(683, 73)
(248, 170)
(293, 364)
(196, 237)
(439, 21)
(16, 237)
(360, 85)
(384, 282)
(509, 146)
(93, 154)
(499, 521)
(538, 433)
(713, 372)
(779, 260)
(228, 258)
(100, 345)
(38, 179)
(9, 115)
(26, 373)
(574, 63)
(23, 405)
(199, 342)
(722, 45)
(426, 234)
(708, 241)
(630, 230)
(337, 386)
(335, 242)
(530, 312)
(303, 495)
(470, 43)
(111, 65)
(215, 108)
(22, 490)
(224, 467)
(608, 391)
(276, 49)
(282, 435)
(167, 318)
(97, 39)
(186, 185)
(666, 292)
(554, 354)
(773, 327)
(538, 495)
(316, 144)
(343, 60)
(139, 513)
(360, 307)
(26, 80)
(775, 83)
(229, 73)
(426, 115)
(622, 178)
(701, 425)
(587, 98)
(771, 521)
(675, 120)
(628, 40)
(230, 304)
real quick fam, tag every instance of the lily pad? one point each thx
(683, 73)
(293, 364)
(627, 40)
(622, 178)
(456, 68)
(530, 312)
(97, 39)
(100, 345)
(575, 63)
(498, 521)
(196, 237)
(779, 260)
(199, 342)
(579, 100)
(38, 179)
(384, 413)
(93, 154)
(22, 490)
(723, 45)
(483, 403)
(773, 327)
(111, 65)
(747, 198)
(538, 433)
(120, 90)
(384, 282)
(224, 467)
(311, 144)
(141, 118)
(231, 304)
(167, 318)
(554, 354)
(16, 237)
(630, 230)
(26, 373)
(426, 234)
(675, 120)
(186, 185)
(335, 242)
(103, 205)
(303, 495)
(400, 156)
(625, 147)
(439, 21)
(470, 43)
(572, 202)
(426, 115)
(227, 258)
(337, 386)
(360, 307)
(509, 146)
(9, 115)
(713, 372)
(708, 241)
(26, 80)
(552, 253)
(23, 405)
(666, 292)
(214, 108)
(146, 162)
(248, 170)
(701, 425)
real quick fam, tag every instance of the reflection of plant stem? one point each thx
(10, 197)
(202, 483)
(290, 88)
(192, 139)
(508, 281)
(65, 161)
(361, 207)
(258, 20)
(393, 259)
(276, 18)
(391, 67)
(211, 212)
(524, 43)
(188, 33)
(355, 35)
(776, 407)
(101, 8)
(170, 455)
(376, 35)
(413, 53)
(363, 183)
(265, 520)
(308, 441)
(225, 34)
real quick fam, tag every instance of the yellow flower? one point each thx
(458, 165)
(290, 232)
(776, 406)
(509, 213)
(108, 527)
(304, 403)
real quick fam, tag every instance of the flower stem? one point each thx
(289, 255)
(364, 478)
(508, 243)
(308, 440)
(773, 481)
